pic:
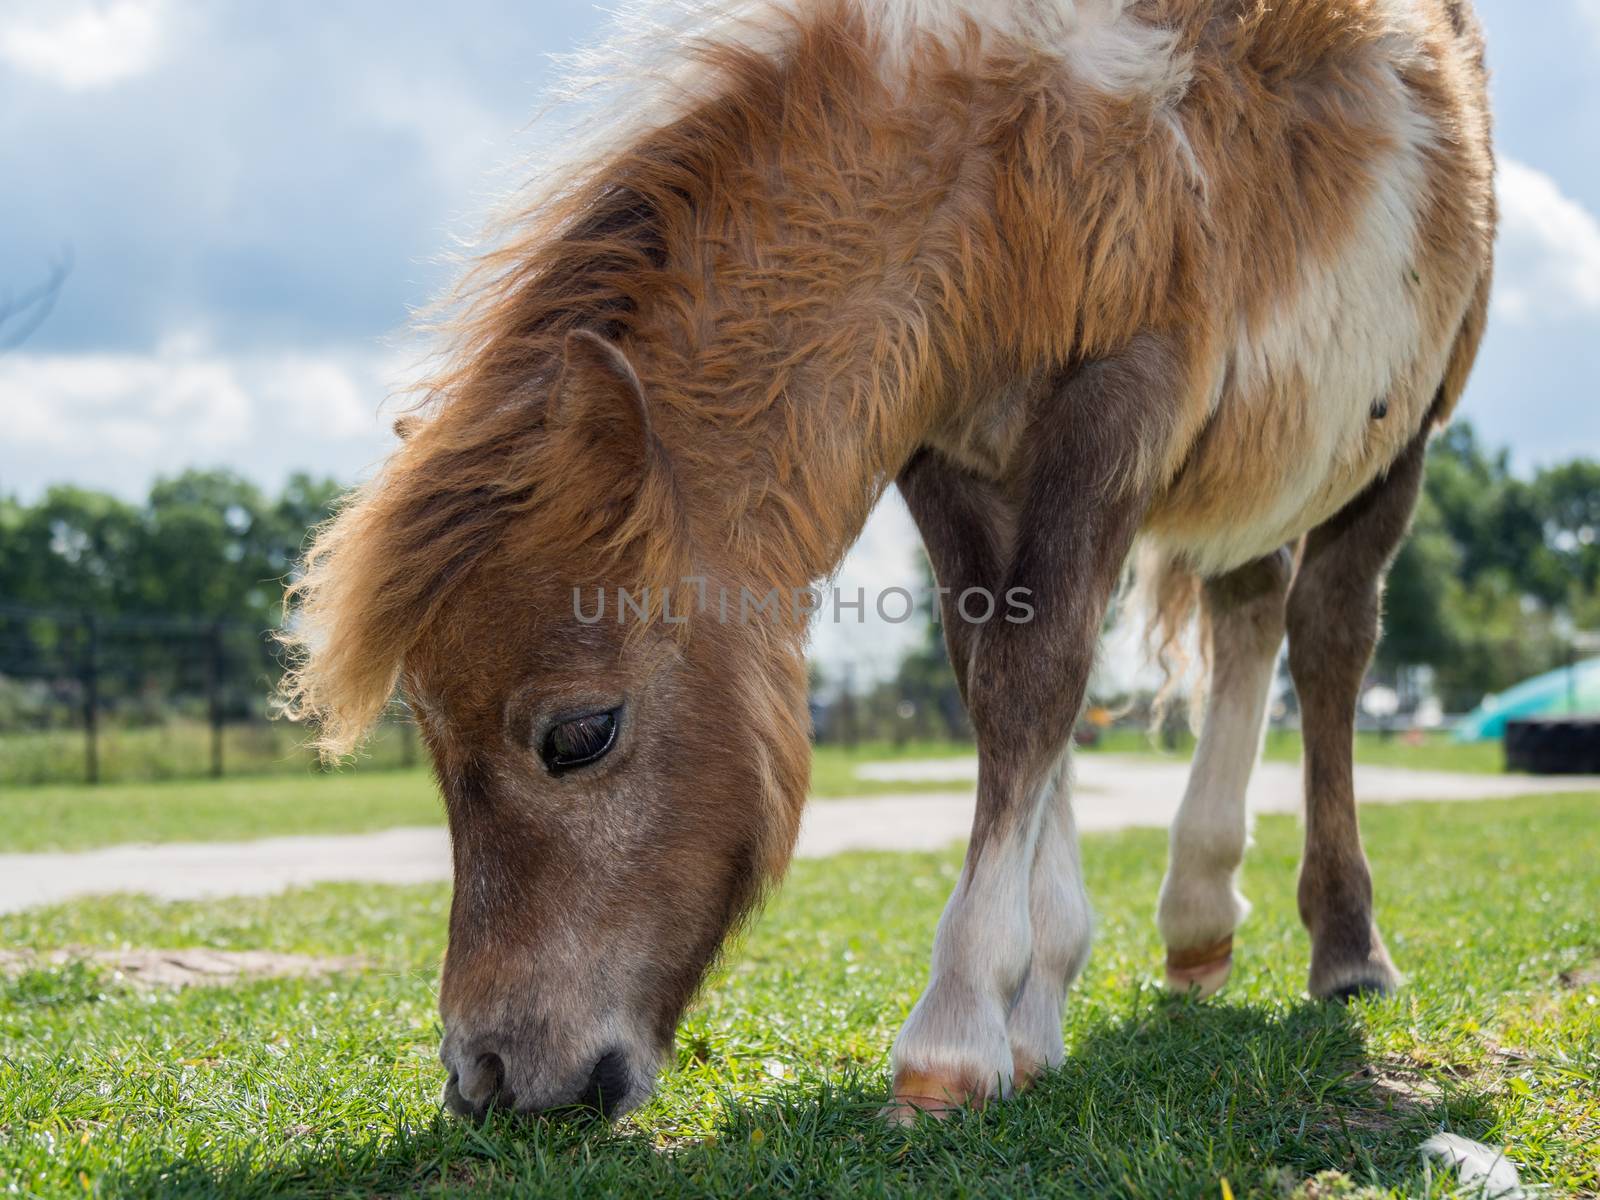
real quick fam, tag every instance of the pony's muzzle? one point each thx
(478, 1084)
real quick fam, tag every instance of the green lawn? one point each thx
(206, 810)
(1435, 752)
(182, 749)
(328, 1088)
(75, 817)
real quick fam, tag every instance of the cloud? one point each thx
(114, 421)
(91, 46)
(884, 557)
(1549, 255)
(1590, 9)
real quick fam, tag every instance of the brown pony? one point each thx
(1200, 275)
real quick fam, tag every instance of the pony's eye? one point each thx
(580, 741)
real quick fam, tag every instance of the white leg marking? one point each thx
(1200, 904)
(1062, 930)
(954, 1048)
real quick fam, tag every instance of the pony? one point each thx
(1180, 283)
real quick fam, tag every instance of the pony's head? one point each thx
(620, 779)
(619, 411)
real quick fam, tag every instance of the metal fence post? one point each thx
(91, 700)
(214, 698)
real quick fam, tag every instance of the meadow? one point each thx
(177, 750)
(329, 1087)
(376, 794)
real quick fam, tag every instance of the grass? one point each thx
(76, 817)
(1434, 752)
(208, 810)
(181, 749)
(328, 1088)
(833, 767)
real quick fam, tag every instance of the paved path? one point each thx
(1113, 793)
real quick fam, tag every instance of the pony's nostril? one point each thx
(476, 1085)
(608, 1084)
(492, 1080)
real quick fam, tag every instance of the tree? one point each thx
(1495, 568)
(205, 544)
(1568, 500)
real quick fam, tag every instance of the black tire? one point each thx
(1554, 746)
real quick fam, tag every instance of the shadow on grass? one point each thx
(1164, 1100)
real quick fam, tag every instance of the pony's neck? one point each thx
(780, 477)
(824, 320)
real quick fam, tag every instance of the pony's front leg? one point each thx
(1062, 924)
(955, 1048)
(962, 519)
(1083, 500)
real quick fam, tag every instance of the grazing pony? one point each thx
(1196, 277)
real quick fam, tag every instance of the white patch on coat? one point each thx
(1100, 41)
(645, 74)
(1353, 333)
(1405, 19)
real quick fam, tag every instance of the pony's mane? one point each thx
(584, 249)
(775, 326)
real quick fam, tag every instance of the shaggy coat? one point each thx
(1193, 271)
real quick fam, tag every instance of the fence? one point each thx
(89, 698)
(97, 699)
(86, 698)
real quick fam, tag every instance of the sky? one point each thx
(254, 198)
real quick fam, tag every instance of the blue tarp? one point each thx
(1574, 690)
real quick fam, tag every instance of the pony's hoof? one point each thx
(1366, 989)
(1200, 972)
(1025, 1072)
(1370, 979)
(917, 1095)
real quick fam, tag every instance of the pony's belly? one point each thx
(1214, 531)
(1318, 387)
(1273, 464)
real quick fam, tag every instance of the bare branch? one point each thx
(23, 313)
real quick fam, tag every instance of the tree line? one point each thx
(204, 545)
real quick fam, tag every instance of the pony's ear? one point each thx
(600, 401)
(406, 425)
(601, 418)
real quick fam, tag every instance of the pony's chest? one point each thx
(985, 437)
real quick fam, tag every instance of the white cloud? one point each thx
(114, 421)
(1549, 254)
(89, 46)
(459, 135)
(1591, 12)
